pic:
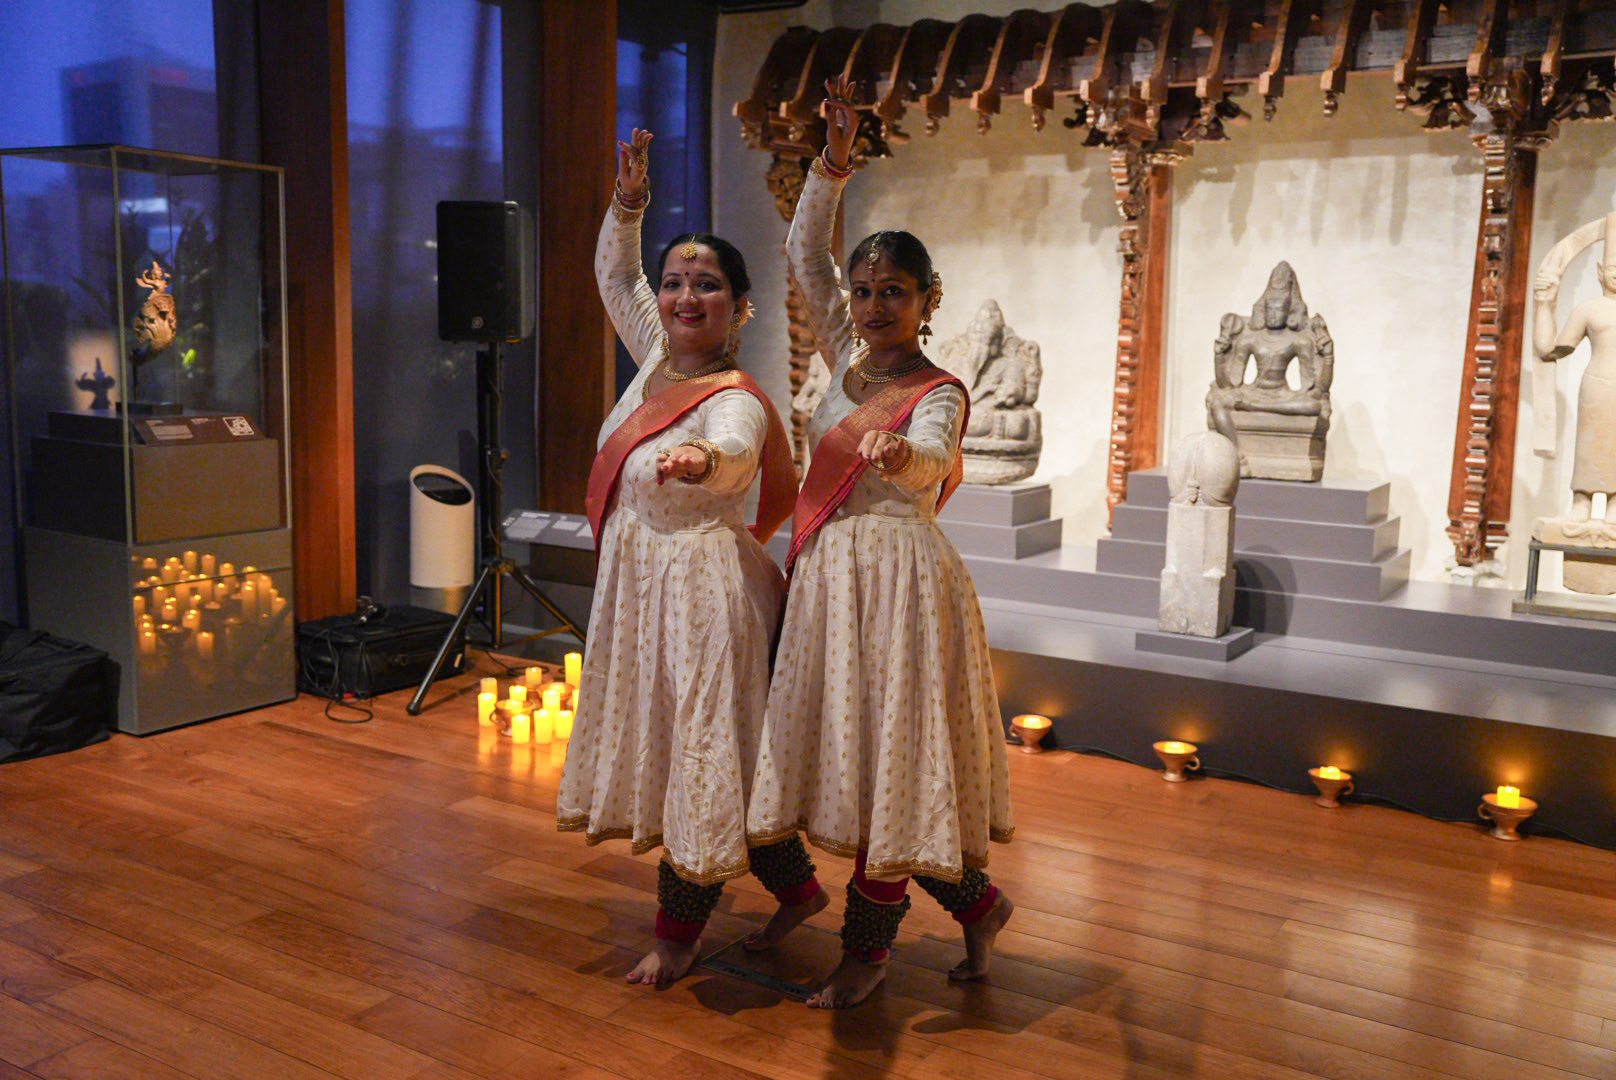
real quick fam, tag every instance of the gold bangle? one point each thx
(711, 450)
(908, 458)
(628, 210)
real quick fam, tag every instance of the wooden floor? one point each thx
(277, 895)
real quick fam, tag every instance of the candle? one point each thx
(552, 698)
(204, 645)
(227, 570)
(147, 643)
(196, 600)
(221, 591)
(485, 708)
(533, 676)
(518, 692)
(189, 561)
(574, 666)
(170, 572)
(489, 685)
(1329, 772)
(192, 620)
(563, 725)
(1173, 746)
(209, 565)
(1509, 797)
(148, 563)
(543, 726)
(249, 599)
(171, 611)
(140, 606)
(521, 726)
(277, 605)
(158, 595)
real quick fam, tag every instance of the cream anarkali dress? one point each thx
(883, 729)
(676, 671)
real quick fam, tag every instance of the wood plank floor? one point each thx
(278, 895)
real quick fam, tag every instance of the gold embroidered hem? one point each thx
(641, 846)
(879, 871)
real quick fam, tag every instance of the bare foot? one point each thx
(665, 963)
(785, 919)
(849, 984)
(979, 941)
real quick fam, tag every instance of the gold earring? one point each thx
(735, 322)
(925, 331)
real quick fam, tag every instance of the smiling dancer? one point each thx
(676, 668)
(882, 739)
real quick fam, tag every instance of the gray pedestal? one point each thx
(1003, 521)
(1223, 648)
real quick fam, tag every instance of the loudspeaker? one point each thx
(485, 271)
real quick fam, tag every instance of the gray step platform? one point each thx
(1271, 571)
(1338, 502)
(1002, 521)
(1347, 543)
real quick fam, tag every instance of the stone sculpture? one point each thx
(1593, 469)
(1005, 434)
(1197, 583)
(1278, 430)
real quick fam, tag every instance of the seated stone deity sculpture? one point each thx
(1279, 429)
(1005, 434)
(1593, 470)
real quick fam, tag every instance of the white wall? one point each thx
(1377, 217)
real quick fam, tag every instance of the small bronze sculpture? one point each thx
(98, 384)
(157, 321)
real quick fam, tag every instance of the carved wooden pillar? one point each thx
(1143, 180)
(1484, 441)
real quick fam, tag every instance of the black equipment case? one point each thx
(383, 650)
(55, 694)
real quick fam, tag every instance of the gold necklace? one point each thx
(712, 367)
(886, 375)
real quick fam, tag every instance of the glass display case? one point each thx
(146, 347)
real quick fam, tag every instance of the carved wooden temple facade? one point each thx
(1144, 83)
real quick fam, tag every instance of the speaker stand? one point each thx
(489, 588)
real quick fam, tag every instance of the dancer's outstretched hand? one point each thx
(841, 121)
(633, 165)
(680, 461)
(884, 449)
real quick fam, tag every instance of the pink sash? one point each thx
(837, 466)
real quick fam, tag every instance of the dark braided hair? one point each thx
(729, 260)
(903, 248)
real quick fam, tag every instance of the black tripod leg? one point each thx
(490, 570)
(544, 601)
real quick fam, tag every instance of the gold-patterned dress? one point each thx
(676, 671)
(883, 728)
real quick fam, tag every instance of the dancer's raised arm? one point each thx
(630, 303)
(808, 245)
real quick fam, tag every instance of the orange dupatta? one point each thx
(836, 467)
(779, 487)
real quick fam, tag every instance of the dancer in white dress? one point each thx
(883, 736)
(676, 670)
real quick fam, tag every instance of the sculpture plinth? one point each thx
(1275, 446)
(1594, 574)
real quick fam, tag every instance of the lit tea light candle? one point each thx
(146, 644)
(1173, 746)
(148, 564)
(204, 645)
(209, 565)
(1509, 797)
(221, 591)
(518, 692)
(573, 667)
(552, 698)
(277, 604)
(1329, 772)
(485, 708)
(140, 606)
(192, 620)
(158, 595)
(563, 725)
(190, 561)
(533, 676)
(171, 611)
(521, 728)
(543, 727)
(227, 570)
(196, 600)
(249, 599)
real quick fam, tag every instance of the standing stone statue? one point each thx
(1278, 430)
(1005, 434)
(1593, 469)
(1197, 584)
